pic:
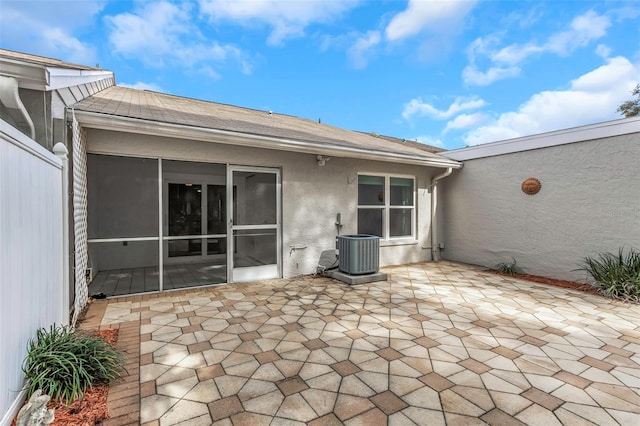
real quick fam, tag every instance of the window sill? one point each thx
(404, 242)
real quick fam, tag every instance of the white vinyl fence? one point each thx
(33, 246)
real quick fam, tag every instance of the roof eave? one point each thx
(65, 77)
(45, 78)
(544, 140)
(29, 76)
(100, 121)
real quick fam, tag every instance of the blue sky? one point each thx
(449, 73)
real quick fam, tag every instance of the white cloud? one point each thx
(592, 97)
(624, 11)
(420, 15)
(47, 28)
(584, 29)
(359, 51)
(514, 54)
(464, 121)
(472, 76)
(246, 66)
(420, 108)
(162, 32)
(603, 51)
(523, 19)
(74, 50)
(287, 19)
(504, 62)
(209, 72)
(481, 47)
(360, 47)
(153, 31)
(140, 85)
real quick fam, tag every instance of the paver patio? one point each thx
(439, 343)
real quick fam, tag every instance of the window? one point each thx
(386, 206)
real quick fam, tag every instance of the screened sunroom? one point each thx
(157, 224)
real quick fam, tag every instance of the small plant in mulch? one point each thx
(616, 275)
(91, 409)
(512, 270)
(508, 268)
(64, 362)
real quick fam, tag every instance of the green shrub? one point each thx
(616, 275)
(508, 268)
(64, 362)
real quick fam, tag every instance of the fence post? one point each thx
(61, 152)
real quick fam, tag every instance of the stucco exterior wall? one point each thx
(589, 203)
(311, 195)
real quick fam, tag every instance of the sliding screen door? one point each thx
(194, 224)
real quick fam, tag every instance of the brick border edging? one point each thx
(124, 395)
(123, 398)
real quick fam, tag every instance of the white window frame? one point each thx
(387, 207)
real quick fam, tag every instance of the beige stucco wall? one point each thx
(589, 203)
(311, 195)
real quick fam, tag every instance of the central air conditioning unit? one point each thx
(359, 254)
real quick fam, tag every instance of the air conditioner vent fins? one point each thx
(359, 254)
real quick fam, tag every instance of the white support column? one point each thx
(61, 152)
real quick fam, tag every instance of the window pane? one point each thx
(186, 186)
(370, 190)
(216, 209)
(185, 209)
(370, 222)
(401, 192)
(400, 222)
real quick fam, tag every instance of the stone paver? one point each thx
(439, 343)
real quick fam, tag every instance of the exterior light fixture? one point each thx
(322, 160)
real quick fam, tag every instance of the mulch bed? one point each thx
(550, 281)
(91, 410)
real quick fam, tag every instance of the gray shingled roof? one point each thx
(146, 105)
(42, 60)
(415, 144)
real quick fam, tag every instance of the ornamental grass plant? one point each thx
(508, 268)
(64, 362)
(614, 275)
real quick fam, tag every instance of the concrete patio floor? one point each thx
(439, 343)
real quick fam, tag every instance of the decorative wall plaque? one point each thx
(531, 186)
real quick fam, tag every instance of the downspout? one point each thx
(435, 249)
(10, 97)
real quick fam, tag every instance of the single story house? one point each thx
(152, 192)
(171, 192)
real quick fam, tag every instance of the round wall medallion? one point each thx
(531, 186)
